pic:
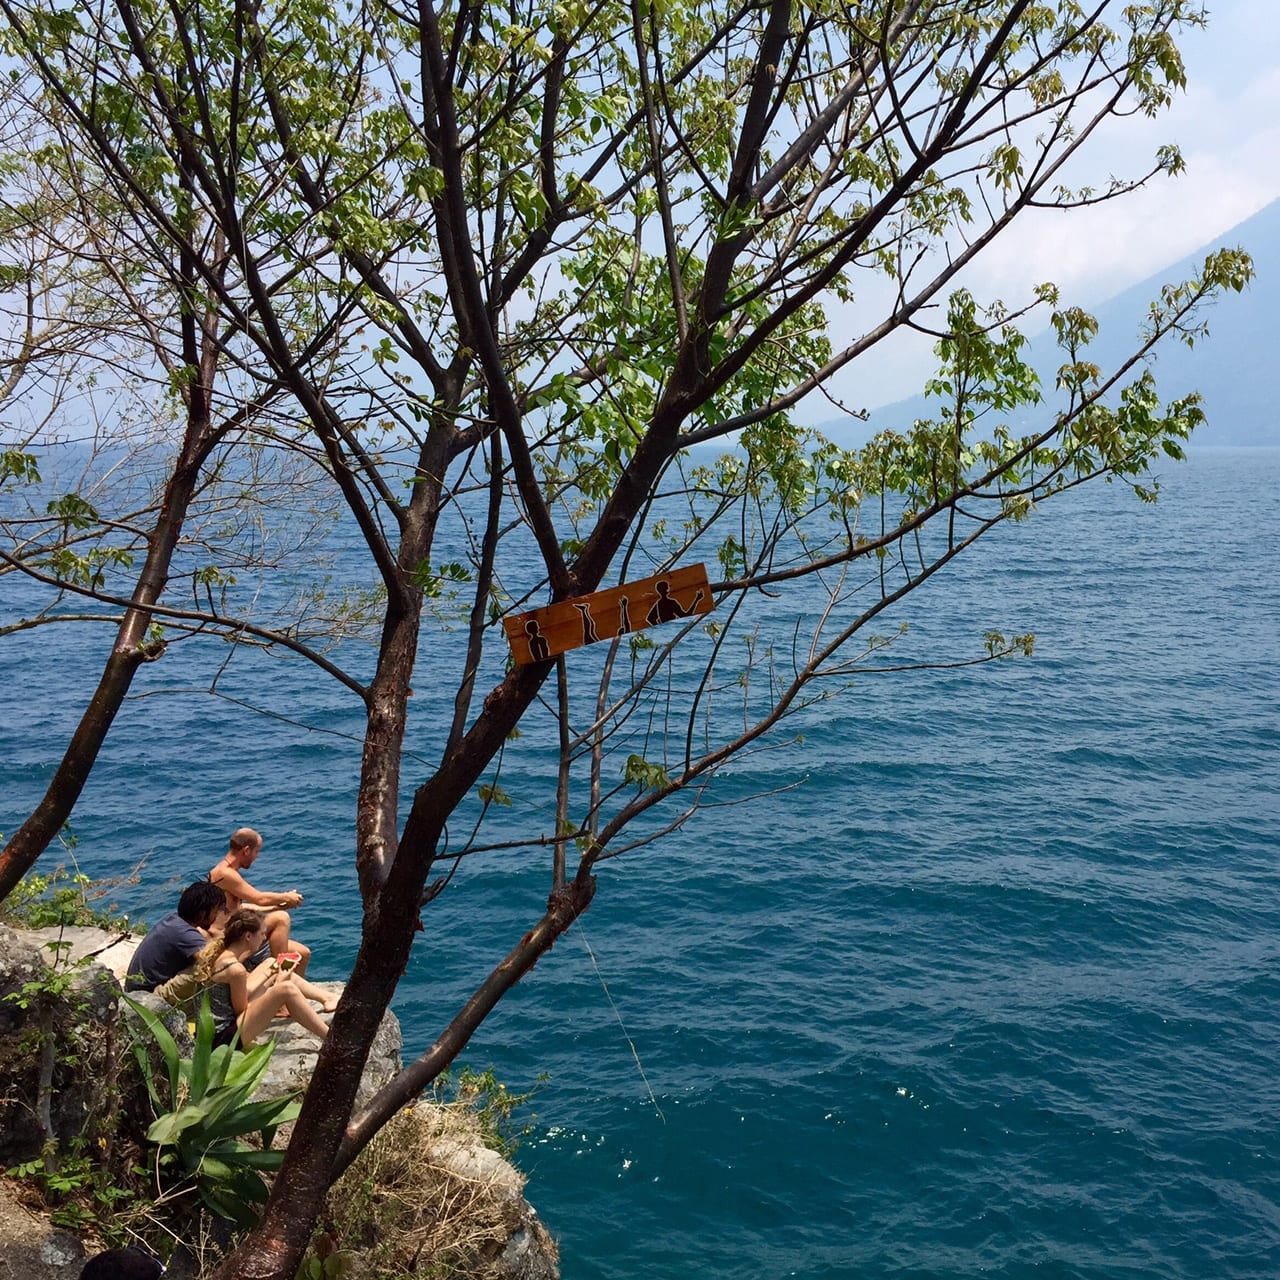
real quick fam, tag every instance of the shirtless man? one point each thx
(246, 844)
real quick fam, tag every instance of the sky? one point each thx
(1227, 124)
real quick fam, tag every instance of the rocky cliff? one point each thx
(65, 1070)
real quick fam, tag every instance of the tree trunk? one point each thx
(274, 1249)
(563, 908)
(130, 650)
(324, 1145)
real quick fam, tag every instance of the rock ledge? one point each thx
(92, 1014)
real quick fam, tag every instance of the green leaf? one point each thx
(255, 1116)
(169, 1128)
(205, 1032)
(74, 510)
(168, 1047)
(648, 776)
(230, 1202)
(246, 1069)
(16, 465)
(241, 1156)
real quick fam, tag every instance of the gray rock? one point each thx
(27, 1239)
(295, 1054)
(530, 1254)
(112, 951)
(61, 1249)
(21, 961)
(58, 1054)
(523, 1248)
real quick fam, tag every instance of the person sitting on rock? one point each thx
(244, 1002)
(174, 941)
(245, 846)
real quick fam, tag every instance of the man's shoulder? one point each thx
(168, 923)
(172, 928)
(169, 945)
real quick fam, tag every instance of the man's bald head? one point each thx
(245, 838)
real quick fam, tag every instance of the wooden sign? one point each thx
(569, 624)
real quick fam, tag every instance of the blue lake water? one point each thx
(992, 992)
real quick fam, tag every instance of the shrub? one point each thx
(200, 1128)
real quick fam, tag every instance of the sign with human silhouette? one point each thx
(569, 624)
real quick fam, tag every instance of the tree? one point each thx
(123, 361)
(511, 265)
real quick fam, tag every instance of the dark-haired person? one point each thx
(130, 1263)
(246, 1002)
(242, 852)
(176, 939)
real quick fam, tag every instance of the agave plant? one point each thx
(201, 1126)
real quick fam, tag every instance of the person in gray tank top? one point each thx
(244, 1002)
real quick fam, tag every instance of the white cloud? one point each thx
(1094, 254)
(1226, 126)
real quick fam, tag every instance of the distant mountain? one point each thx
(1234, 368)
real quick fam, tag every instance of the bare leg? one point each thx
(278, 925)
(327, 1000)
(263, 974)
(267, 1003)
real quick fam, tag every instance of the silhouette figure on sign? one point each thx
(624, 618)
(588, 624)
(666, 608)
(539, 649)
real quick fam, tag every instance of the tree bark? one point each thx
(130, 650)
(563, 908)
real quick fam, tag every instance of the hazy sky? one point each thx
(1227, 124)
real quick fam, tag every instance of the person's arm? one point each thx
(231, 881)
(259, 978)
(192, 942)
